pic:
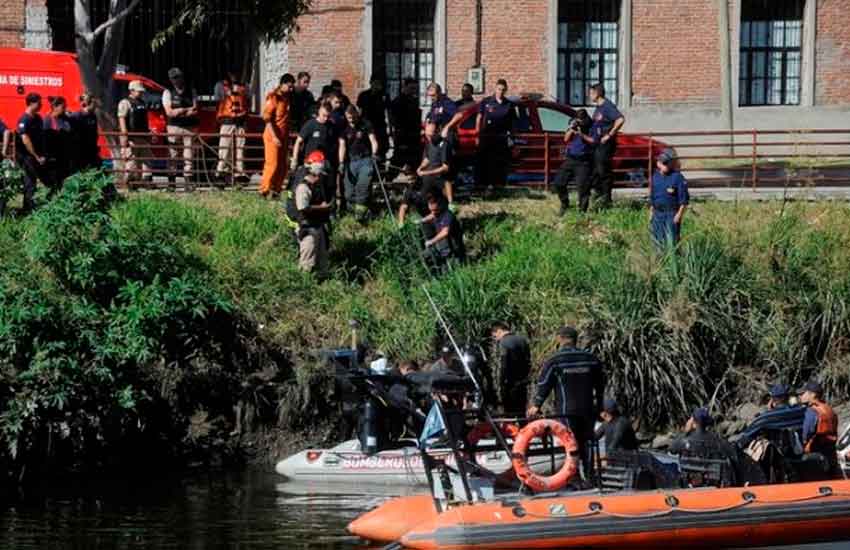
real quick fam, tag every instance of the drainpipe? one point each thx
(726, 100)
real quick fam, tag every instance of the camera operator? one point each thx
(578, 159)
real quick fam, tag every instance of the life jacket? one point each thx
(296, 218)
(137, 118)
(827, 430)
(231, 109)
(183, 100)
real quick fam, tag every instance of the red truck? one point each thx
(53, 74)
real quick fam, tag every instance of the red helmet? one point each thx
(315, 163)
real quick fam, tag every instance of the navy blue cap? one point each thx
(666, 156)
(702, 417)
(610, 406)
(779, 390)
(812, 386)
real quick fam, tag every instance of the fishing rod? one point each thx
(448, 332)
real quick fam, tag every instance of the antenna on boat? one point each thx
(448, 332)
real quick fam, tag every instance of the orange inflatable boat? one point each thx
(700, 518)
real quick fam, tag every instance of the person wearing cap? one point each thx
(514, 368)
(278, 119)
(578, 380)
(820, 425)
(607, 122)
(181, 109)
(373, 104)
(231, 114)
(307, 207)
(134, 136)
(578, 155)
(668, 194)
(701, 441)
(777, 427)
(617, 429)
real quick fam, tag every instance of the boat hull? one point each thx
(700, 518)
(345, 463)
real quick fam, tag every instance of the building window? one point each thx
(588, 48)
(771, 52)
(403, 42)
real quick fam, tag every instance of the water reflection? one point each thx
(247, 510)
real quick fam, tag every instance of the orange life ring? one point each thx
(484, 429)
(522, 442)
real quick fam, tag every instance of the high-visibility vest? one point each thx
(827, 430)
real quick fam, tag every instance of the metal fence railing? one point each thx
(754, 158)
(743, 158)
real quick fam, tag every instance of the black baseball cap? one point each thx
(779, 390)
(568, 332)
(702, 417)
(813, 386)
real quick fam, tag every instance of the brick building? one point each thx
(669, 64)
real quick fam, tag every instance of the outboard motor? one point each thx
(371, 432)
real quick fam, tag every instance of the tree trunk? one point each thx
(97, 74)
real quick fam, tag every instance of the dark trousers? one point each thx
(33, 171)
(603, 175)
(665, 231)
(358, 181)
(577, 170)
(383, 141)
(494, 160)
(408, 150)
(582, 428)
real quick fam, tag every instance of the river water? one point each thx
(248, 510)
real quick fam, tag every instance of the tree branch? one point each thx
(111, 21)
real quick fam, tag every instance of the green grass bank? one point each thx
(180, 327)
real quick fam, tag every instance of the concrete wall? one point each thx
(37, 32)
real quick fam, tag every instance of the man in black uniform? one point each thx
(617, 429)
(373, 104)
(84, 124)
(406, 118)
(303, 102)
(700, 441)
(514, 367)
(358, 146)
(320, 134)
(29, 149)
(578, 379)
(578, 155)
(58, 144)
(336, 86)
(496, 116)
(446, 246)
(436, 162)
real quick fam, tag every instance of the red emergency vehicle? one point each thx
(52, 74)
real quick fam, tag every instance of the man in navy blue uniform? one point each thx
(30, 149)
(441, 113)
(578, 379)
(607, 122)
(84, 123)
(578, 155)
(668, 200)
(446, 246)
(496, 116)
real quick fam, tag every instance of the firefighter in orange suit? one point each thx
(276, 136)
